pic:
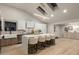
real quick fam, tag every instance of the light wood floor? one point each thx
(63, 47)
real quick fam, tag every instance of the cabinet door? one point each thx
(10, 26)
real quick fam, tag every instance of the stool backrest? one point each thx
(52, 36)
(48, 37)
(41, 38)
(33, 40)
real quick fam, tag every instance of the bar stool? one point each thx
(41, 42)
(52, 39)
(32, 45)
(48, 40)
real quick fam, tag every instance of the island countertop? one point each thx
(8, 36)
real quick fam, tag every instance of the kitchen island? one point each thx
(26, 40)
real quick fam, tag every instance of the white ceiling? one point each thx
(72, 14)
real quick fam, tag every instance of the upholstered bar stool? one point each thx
(52, 39)
(32, 44)
(41, 42)
(48, 39)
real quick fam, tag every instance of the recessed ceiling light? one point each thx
(52, 15)
(65, 11)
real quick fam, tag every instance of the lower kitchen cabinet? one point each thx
(9, 41)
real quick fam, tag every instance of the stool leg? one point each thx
(53, 41)
(32, 49)
(35, 48)
(44, 44)
(41, 45)
(47, 43)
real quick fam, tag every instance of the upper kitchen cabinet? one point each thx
(10, 26)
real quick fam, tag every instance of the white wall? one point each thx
(50, 28)
(12, 14)
(59, 29)
(41, 27)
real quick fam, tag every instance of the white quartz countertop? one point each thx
(8, 36)
(31, 35)
(38, 35)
